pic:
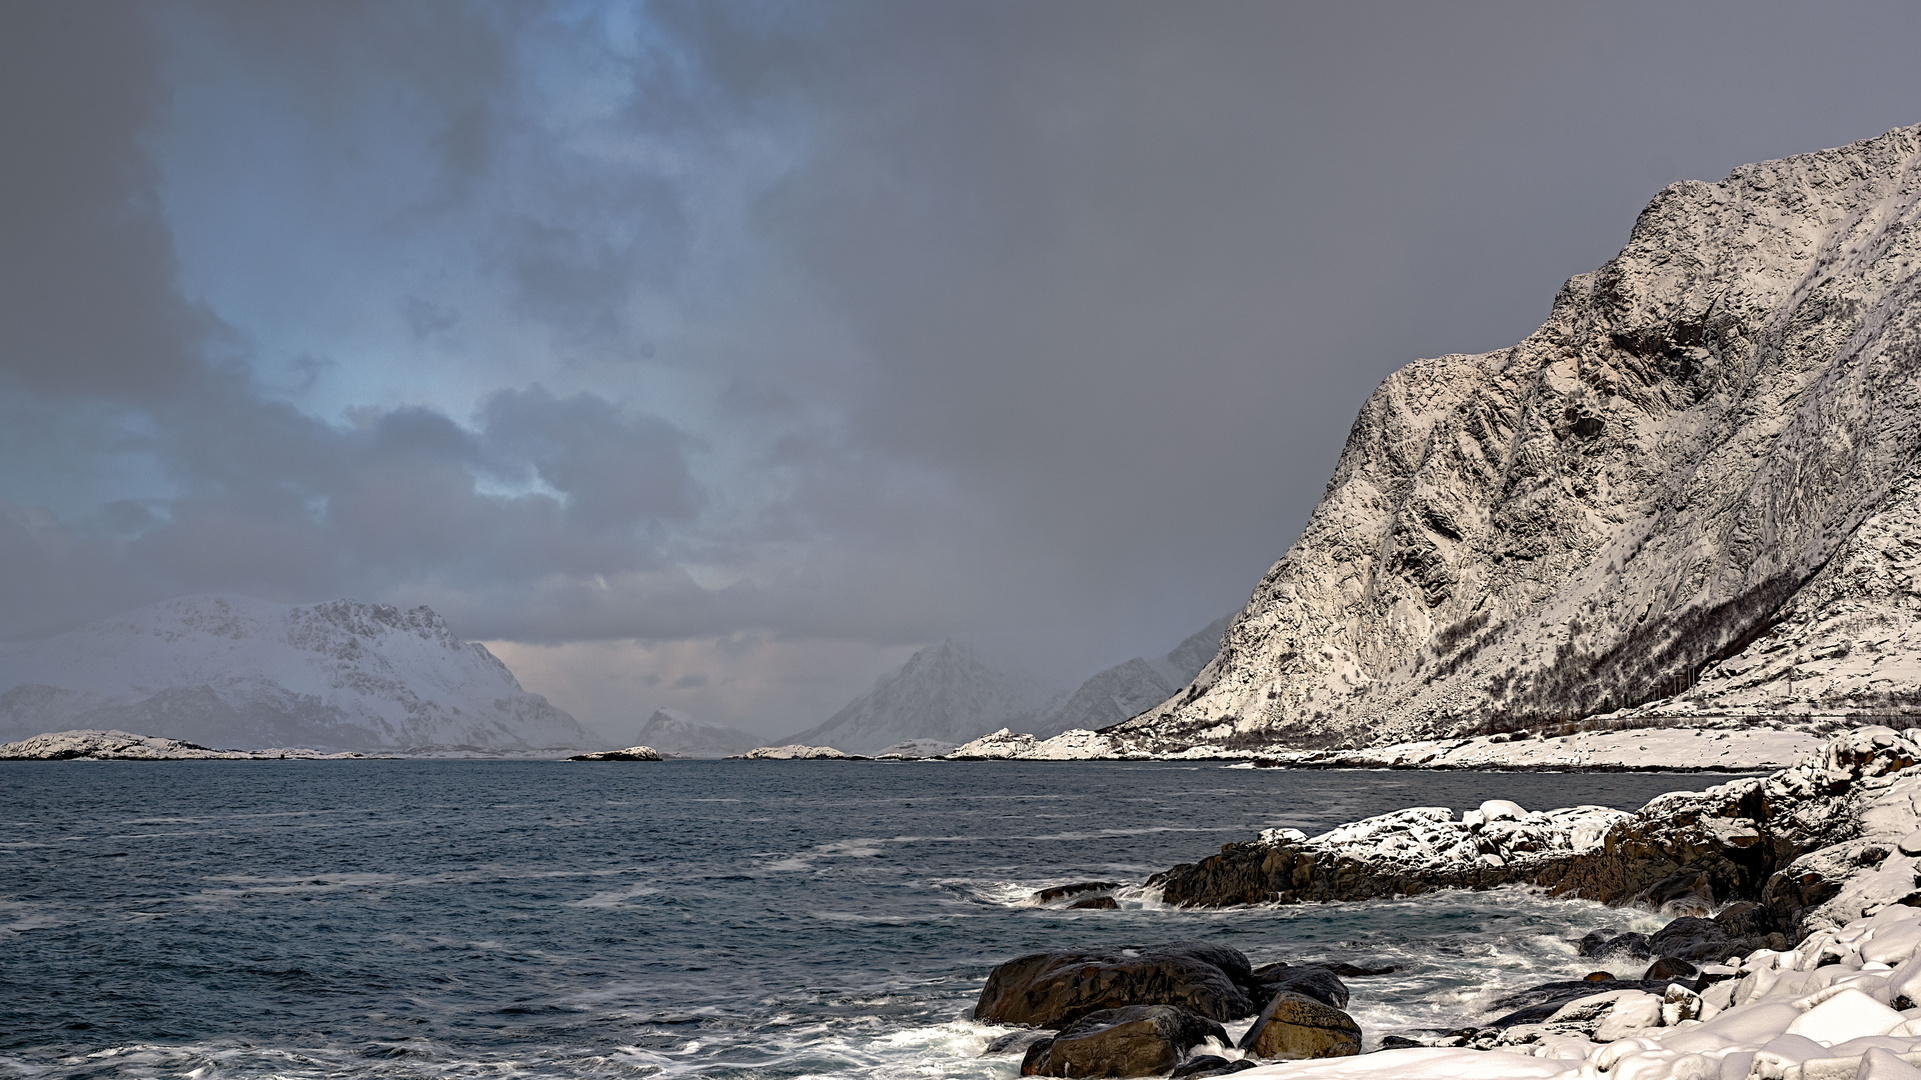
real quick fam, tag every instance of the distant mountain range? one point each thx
(232, 671)
(947, 692)
(671, 731)
(1128, 689)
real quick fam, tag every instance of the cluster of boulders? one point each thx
(1159, 1010)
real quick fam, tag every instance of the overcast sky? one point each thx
(718, 355)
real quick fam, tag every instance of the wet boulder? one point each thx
(1604, 943)
(1296, 1026)
(1670, 969)
(1015, 1042)
(1055, 989)
(1140, 1040)
(1696, 939)
(1061, 892)
(1315, 981)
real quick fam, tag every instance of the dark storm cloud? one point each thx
(87, 304)
(1037, 319)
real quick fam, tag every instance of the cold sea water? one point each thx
(508, 919)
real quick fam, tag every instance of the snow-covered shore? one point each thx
(1756, 749)
(1840, 1006)
(96, 745)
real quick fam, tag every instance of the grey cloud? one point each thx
(619, 471)
(86, 298)
(1049, 317)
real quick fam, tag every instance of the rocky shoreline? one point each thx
(1806, 842)
(1796, 916)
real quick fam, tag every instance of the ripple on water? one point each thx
(709, 919)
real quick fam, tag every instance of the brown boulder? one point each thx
(1141, 1040)
(1296, 1026)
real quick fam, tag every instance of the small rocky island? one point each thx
(1795, 904)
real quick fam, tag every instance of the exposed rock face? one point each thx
(1712, 437)
(1834, 838)
(235, 671)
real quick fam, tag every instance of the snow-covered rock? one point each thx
(1817, 845)
(125, 746)
(1819, 1012)
(1725, 749)
(674, 732)
(1712, 431)
(795, 752)
(236, 671)
(944, 692)
(631, 753)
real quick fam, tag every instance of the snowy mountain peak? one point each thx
(238, 671)
(674, 732)
(945, 692)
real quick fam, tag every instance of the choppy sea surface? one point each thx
(677, 919)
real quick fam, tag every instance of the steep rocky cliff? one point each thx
(1692, 479)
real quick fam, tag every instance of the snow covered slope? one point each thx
(1130, 688)
(233, 671)
(671, 731)
(1714, 432)
(943, 692)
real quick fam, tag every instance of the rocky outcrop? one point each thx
(1697, 476)
(1833, 838)
(632, 753)
(125, 746)
(796, 752)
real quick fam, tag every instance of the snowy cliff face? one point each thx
(943, 692)
(232, 671)
(673, 732)
(1712, 433)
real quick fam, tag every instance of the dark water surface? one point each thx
(711, 919)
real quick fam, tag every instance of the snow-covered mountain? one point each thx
(1130, 688)
(943, 692)
(232, 671)
(671, 731)
(1699, 476)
